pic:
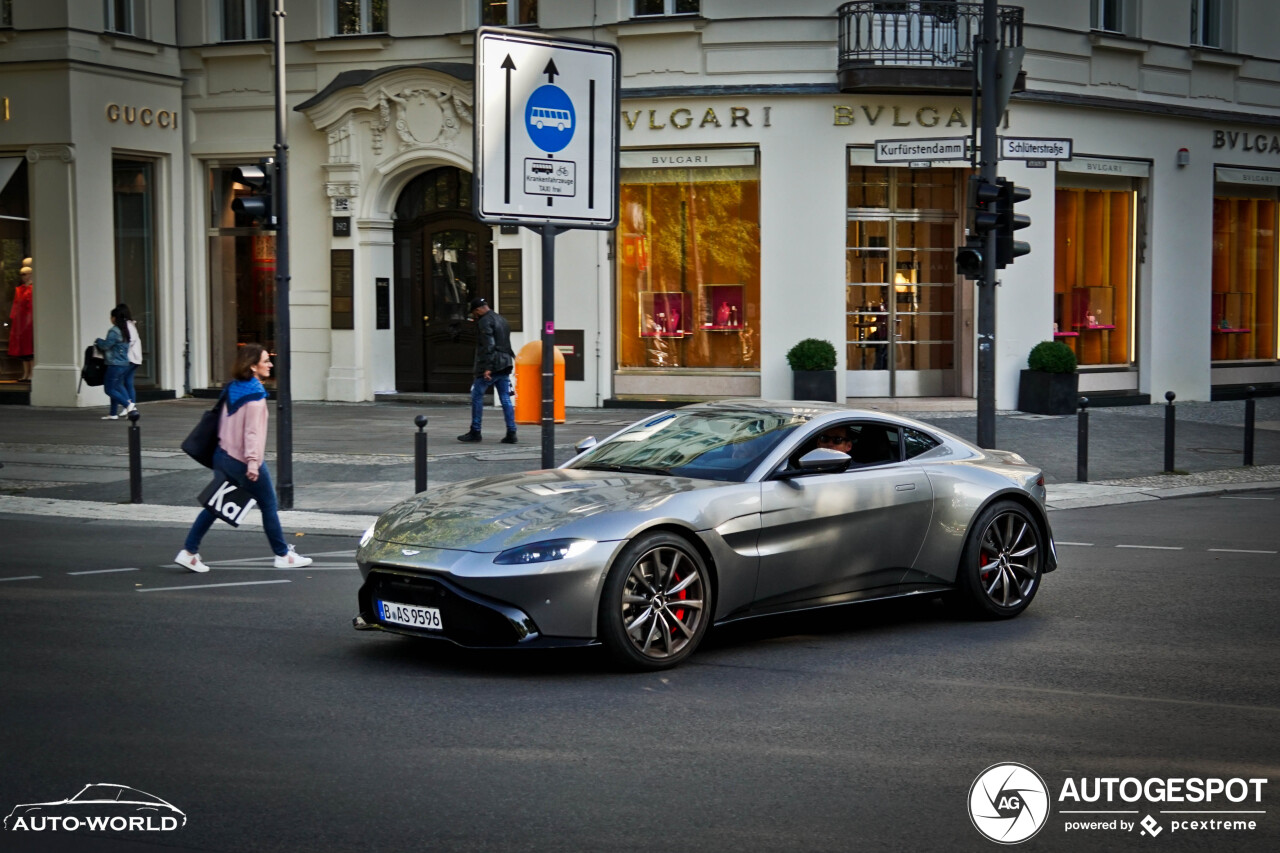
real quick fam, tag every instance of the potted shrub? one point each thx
(813, 365)
(1049, 385)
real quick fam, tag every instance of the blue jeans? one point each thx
(114, 385)
(127, 384)
(479, 387)
(261, 489)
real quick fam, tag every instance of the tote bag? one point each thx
(202, 441)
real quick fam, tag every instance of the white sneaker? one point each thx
(190, 561)
(111, 417)
(292, 560)
(131, 408)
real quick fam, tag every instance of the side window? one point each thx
(917, 442)
(508, 13)
(875, 444)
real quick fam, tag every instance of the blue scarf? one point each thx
(242, 391)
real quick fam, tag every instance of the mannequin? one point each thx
(21, 343)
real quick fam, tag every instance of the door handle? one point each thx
(904, 487)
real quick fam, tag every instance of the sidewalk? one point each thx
(351, 461)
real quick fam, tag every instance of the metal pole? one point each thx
(548, 344)
(284, 354)
(989, 41)
(1082, 441)
(1169, 428)
(1250, 412)
(420, 455)
(135, 458)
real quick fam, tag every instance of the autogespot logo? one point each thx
(1008, 803)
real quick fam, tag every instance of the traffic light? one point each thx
(260, 205)
(983, 218)
(1008, 248)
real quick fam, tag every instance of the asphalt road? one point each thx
(260, 713)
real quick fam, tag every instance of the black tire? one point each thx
(1002, 562)
(657, 603)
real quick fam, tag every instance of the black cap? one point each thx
(477, 302)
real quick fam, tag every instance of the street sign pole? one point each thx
(549, 233)
(284, 354)
(989, 40)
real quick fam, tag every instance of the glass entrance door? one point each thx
(900, 296)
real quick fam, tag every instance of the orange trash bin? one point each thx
(528, 374)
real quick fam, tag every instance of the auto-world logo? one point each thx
(1008, 803)
(102, 807)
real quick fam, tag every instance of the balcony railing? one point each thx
(906, 43)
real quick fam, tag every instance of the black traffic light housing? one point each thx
(969, 258)
(259, 206)
(983, 218)
(1008, 248)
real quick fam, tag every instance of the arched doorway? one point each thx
(443, 260)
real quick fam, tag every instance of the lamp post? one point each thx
(284, 354)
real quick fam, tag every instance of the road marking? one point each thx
(1153, 547)
(23, 578)
(102, 571)
(208, 586)
(1081, 544)
(1245, 498)
(1240, 551)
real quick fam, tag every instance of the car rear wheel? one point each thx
(1002, 562)
(656, 604)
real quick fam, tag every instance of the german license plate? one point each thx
(411, 615)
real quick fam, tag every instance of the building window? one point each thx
(1244, 273)
(1108, 15)
(1211, 23)
(356, 17)
(133, 197)
(689, 263)
(242, 276)
(15, 253)
(1094, 273)
(508, 13)
(654, 8)
(120, 17)
(246, 19)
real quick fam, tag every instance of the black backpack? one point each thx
(94, 371)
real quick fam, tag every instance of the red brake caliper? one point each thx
(684, 593)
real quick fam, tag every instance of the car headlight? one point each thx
(542, 552)
(366, 536)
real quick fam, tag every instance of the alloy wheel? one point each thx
(1009, 560)
(662, 603)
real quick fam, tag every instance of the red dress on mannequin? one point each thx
(20, 337)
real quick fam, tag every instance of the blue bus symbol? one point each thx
(549, 118)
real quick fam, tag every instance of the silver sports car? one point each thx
(704, 515)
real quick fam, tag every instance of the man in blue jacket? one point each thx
(494, 361)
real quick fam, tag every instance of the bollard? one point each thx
(1250, 411)
(1082, 441)
(420, 455)
(135, 458)
(1169, 428)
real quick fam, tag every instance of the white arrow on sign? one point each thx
(548, 111)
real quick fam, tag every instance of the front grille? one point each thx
(468, 619)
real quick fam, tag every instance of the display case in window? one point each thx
(1092, 308)
(1060, 326)
(664, 314)
(722, 308)
(1232, 312)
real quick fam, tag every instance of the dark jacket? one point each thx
(493, 345)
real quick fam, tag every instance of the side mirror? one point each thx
(586, 444)
(819, 461)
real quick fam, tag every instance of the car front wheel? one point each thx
(656, 605)
(1002, 562)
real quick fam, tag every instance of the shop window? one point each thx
(246, 19)
(689, 267)
(242, 277)
(6, 13)
(1093, 274)
(15, 253)
(357, 17)
(134, 201)
(655, 8)
(508, 13)
(1244, 277)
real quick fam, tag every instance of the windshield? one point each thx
(708, 445)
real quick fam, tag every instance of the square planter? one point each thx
(1048, 393)
(813, 385)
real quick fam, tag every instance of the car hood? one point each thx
(496, 513)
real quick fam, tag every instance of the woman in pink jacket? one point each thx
(242, 438)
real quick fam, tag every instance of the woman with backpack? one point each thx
(115, 348)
